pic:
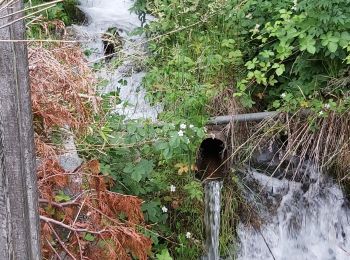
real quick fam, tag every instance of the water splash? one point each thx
(300, 223)
(126, 78)
(212, 198)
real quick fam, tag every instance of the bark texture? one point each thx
(19, 220)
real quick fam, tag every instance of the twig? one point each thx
(76, 217)
(80, 251)
(268, 247)
(43, 40)
(59, 223)
(60, 241)
(59, 205)
(53, 249)
(29, 8)
(26, 16)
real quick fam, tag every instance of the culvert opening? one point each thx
(211, 159)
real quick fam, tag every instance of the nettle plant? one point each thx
(301, 47)
(156, 163)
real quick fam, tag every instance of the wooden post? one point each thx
(19, 220)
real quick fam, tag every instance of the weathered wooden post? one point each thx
(19, 221)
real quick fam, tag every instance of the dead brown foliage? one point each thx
(89, 221)
(62, 87)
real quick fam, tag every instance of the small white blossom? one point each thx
(172, 188)
(327, 106)
(249, 16)
(256, 28)
(191, 126)
(183, 126)
(164, 209)
(320, 113)
(283, 95)
(180, 133)
(188, 235)
(295, 3)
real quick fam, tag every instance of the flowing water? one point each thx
(212, 200)
(127, 77)
(299, 222)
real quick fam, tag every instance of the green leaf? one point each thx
(311, 49)
(332, 47)
(164, 255)
(89, 237)
(141, 170)
(280, 70)
(61, 197)
(308, 43)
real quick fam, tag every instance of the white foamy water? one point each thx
(127, 78)
(302, 224)
(212, 201)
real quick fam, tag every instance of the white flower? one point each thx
(172, 188)
(283, 95)
(249, 16)
(183, 126)
(256, 28)
(191, 126)
(180, 133)
(320, 113)
(295, 3)
(327, 106)
(188, 235)
(164, 209)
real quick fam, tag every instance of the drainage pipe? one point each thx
(219, 120)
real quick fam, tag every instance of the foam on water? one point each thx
(305, 225)
(212, 201)
(127, 78)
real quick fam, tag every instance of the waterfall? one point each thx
(303, 222)
(212, 200)
(126, 78)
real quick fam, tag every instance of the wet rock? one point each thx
(112, 42)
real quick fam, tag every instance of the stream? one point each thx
(125, 78)
(303, 222)
(298, 223)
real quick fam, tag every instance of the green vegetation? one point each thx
(156, 164)
(273, 54)
(51, 18)
(268, 54)
(263, 54)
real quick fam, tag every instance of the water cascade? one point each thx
(125, 78)
(300, 221)
(212, 200)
